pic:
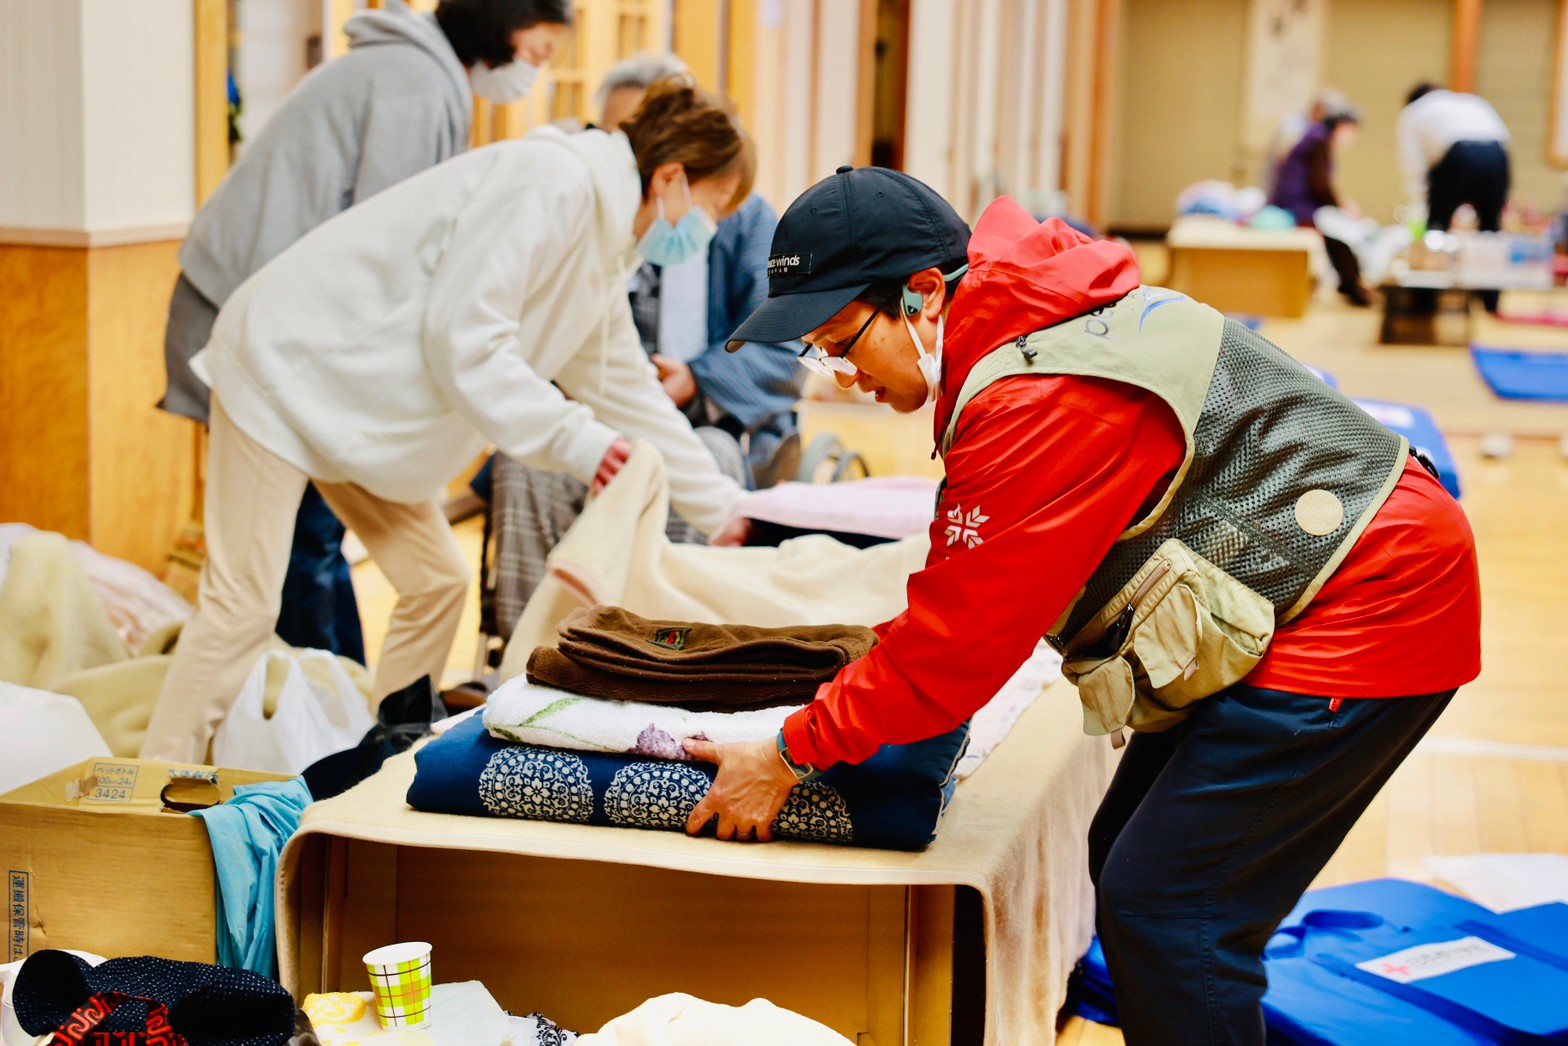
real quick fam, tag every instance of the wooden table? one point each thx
(1242, 270)
(583, 923)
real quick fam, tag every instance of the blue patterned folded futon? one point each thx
(892, 801)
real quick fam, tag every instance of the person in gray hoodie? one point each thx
(397, 103)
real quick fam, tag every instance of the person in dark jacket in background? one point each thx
(397, 103)
(1305, 182)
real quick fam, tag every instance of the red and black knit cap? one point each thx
(208, 1005)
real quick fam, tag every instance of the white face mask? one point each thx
(503, 84)
(930, 363)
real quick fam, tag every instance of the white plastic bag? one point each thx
(40, 733)
(317, 713)
(11, 1033)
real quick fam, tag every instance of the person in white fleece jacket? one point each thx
(482, 301)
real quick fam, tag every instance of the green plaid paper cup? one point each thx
(400, 979)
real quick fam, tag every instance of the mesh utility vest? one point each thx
(1280, 476)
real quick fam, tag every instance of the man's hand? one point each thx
(748, 793)
(611, 463)
(676, 378)
(734, 533)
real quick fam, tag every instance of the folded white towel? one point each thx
(542, 715)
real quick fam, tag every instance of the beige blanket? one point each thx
(52, 622)
(617, 553)
(56, 635)
(1016, 832)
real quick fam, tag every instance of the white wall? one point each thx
(1050, 121)
(97, 125)
(139, 74)
(1514, 73)
(986, 90)
(985, 65)
(42, 146)
(793, 93)
(271, 58)
(928, 121)
(1016, 142)
(837, 88)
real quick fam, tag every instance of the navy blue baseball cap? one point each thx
(854, 228)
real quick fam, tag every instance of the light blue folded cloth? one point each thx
(248, 833)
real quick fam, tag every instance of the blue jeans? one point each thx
(1209, 835)
(319, 610)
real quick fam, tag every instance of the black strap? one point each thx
(1425, 462)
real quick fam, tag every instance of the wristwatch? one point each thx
(804, 772)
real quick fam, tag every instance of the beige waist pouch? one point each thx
(1180, 630)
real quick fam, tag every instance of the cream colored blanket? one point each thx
(617, 553)
(56, 635)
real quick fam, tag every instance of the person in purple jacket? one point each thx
(1305, 183)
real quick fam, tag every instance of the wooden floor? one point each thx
(1493, 775)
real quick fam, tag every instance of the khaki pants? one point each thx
(252, 498)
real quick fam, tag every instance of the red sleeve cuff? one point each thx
(797, 736)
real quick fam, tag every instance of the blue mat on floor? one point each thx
(1417, 426)
(1516, 375)
(1389, 961)
(1322, 375)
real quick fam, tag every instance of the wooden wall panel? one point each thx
(865, 82)
(43, 388)
(698, 38)
(1079, 133)
(1465, 45)
(82, 448)
(211, 40)
(142, 459)
(740, 65)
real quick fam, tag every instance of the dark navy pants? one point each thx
(1209, 835)
(319, 609)
(1476, 173)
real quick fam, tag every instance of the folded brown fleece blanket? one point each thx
(611, 652)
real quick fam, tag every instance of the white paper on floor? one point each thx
(1503, 882)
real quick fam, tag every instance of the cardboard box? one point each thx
(94, 860)
(1235, 269)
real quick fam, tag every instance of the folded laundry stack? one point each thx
(540, 715)
(892, 801)
(611, 652)
(594, 734)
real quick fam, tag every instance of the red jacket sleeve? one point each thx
(1043, 474)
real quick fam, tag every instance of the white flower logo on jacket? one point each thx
(964, 527)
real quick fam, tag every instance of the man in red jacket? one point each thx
(1105, 445)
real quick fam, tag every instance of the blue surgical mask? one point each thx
(665, 244)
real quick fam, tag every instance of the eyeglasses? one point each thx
(818, 361)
